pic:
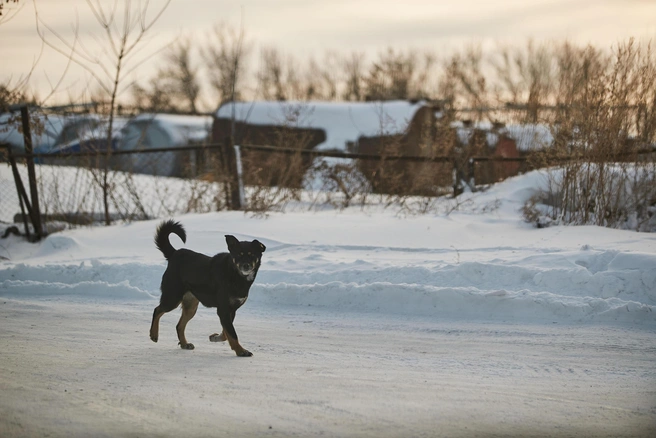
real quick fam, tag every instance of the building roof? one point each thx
(181, 128)
(10, 132)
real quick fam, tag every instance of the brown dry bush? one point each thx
(604, 120)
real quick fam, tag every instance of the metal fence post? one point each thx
(233, 174)
(471, 169)
(31, 174)
(23, 200)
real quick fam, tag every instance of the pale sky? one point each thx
(310, 27)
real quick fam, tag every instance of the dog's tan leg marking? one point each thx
(238, 349)
(154, 325)
(189, 307)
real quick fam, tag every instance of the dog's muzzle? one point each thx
(246, 268)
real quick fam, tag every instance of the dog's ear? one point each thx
(233, 243)
(260, 244)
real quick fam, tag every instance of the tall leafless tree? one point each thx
(353, 66)
(398, 75)
(122, 30)
(464, 81)
(182, 74)
(226, 60)
(322, 78)
(8, 13)
(271, 75)
(176, 86)
(526, 76)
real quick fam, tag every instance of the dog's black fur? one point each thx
(222, 281)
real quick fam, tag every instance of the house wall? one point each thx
(426, 136)
(265, 168)
(491, 172)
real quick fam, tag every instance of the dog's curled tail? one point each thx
(162, 236)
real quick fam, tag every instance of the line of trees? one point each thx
(197, 73)
(535, 75)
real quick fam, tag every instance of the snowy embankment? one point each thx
(468, 264)
(566, 286)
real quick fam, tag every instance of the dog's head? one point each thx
(245, 255)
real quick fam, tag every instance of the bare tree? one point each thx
(398, 75)
(271, 75)
(526, 76)
(182, 74)
(123, 28)
(153, 96)
(13, 91)
(464, 80)
(353, 66)
(322, 79)
(8, 13)
(176, 86)
(226, 54)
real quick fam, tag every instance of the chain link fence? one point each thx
(135, 185)
(146, 171)
(10, 203)
(85, 188)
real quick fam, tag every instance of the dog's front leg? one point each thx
(221, 337)
(226, 318)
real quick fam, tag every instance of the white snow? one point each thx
(527, 136)
(530, 136)
(362, 323)
(342, 122)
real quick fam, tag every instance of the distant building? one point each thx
(88, 133)
(11, 130)
(157, 131)
(393, 127)
(381, 129)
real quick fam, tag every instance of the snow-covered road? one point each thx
(362, 322)
(88, 369)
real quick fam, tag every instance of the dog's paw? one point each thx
(188, 346)
(217, 337)
(244, 353)
(153, 338)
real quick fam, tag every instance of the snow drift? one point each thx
(488, 266)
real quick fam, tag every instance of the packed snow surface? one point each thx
(362, 323)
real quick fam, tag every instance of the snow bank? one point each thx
(479, 262)
(580, 286)
(586, 285)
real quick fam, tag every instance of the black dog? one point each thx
(222, 281)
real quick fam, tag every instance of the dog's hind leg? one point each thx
(189, 307)
(171, 297)
(154, 325)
